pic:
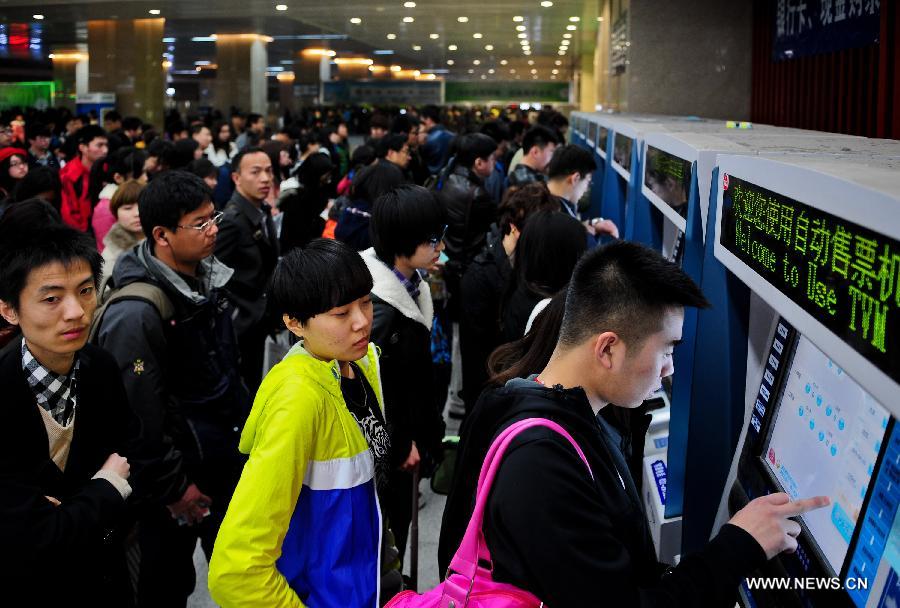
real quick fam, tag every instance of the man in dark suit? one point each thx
(248, 243)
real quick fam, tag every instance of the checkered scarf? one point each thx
(411, 284)
(54, 392)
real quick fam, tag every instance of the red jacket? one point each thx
(76, 204)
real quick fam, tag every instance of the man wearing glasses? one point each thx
(179, 364)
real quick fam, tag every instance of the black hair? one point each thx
(539, 136)
(624, 287)
(403, 219)
(570, 159)
(362, 156)
(112, 116)
(164, 151)
(30, 237)
(39, 180)
(184, 153)
(372, 181)
(132, 123)
(546, 253)
(35, 130)
(530, 353)
(85, 135)
(433, 112)
(392, 142)
(128, 162)
(202, 167)
(168, 197)
(175, 127)
(311, 280)
(196, 128)
(236, 161)
(216, 128)
(305, 140)
(253, 118)
(7, 182)
(312, 170)
(496, 130)
(380, 121)
(404, 123)
(473, 146)
(516, 128)
(521, 202)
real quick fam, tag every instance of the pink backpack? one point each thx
(469, 585)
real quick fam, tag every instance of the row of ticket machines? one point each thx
(790, 381)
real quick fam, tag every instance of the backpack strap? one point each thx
(145, 292)
(473, 547)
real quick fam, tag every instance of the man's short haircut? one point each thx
(132, 123)
(539, 136)
(372, 181)
(404, 123)
(496, 130)
(164, 152)
(571, 159)
(38, 181)
(403, 219)
(196, 128)
(26, 246)
(521, 202)
(126, 194)
(473, 146)
(35, 130)
(311, 280)
(236, 161)
(624, 287)
(184, 153)
(253, 118)
(168, 197)
(516, 128)
(85, 135)
(393, 142)
(380, 121)
(202, 167)
(112, 116)
(362, 156)
(433, 112)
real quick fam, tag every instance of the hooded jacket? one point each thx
(303, 526)
(567, 538)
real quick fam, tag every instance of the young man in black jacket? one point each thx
(66, 429)
(181, 375)
(408, 225)
(552, 529)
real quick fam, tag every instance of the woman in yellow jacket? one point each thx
(304, 525)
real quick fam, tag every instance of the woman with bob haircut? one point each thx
(408, 225)
(304, 524)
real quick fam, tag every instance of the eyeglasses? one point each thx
(215, 220)
(435, 241)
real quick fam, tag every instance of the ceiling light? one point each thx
(567, 35)
(575, 19)
(553, 78)
(526, 52)
(416, 47)
(554, 71)
(571, 28)
(383, 52)
(561, 53)
(392, 36)
(38, 17)
(170, 91)
(491, 71)
(318, 52)
(512, 70)
(450, 62)
(477, 35)
(154, 11)
(395, 68)
(546, 4)
(599, 18)
(355, 20)
(565, 43)
(434, 36)
(471, 71)
(531, 62)
(462, 19)
(281, 7)
(353, 61)
(483, 77)
(520, 28)
(558, 62)
(408, 19)
(489, 47)
(534, 71)
(522, 35)
(518, 18)
(534, 77)
(409, 5)
(503, 62)
(476, 62)
(452, 47)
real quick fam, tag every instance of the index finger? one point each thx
(804, 505)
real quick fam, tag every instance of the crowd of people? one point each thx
(245, 333)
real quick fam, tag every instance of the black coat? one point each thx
(566, 538)
(70, 555)
(242, 244)
(470, 213)
(482, 289)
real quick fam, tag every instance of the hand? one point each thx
(602, 227)
(118, 465)
(193, 505)
(53, 501)
(766, 519)
(412, 461)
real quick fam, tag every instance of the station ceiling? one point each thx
(460, 40)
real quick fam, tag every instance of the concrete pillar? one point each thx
(70, 74)
(241, 73)
(126, 59)
(586, 34)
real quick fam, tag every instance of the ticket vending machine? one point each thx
(590, 134)
(817, 242)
